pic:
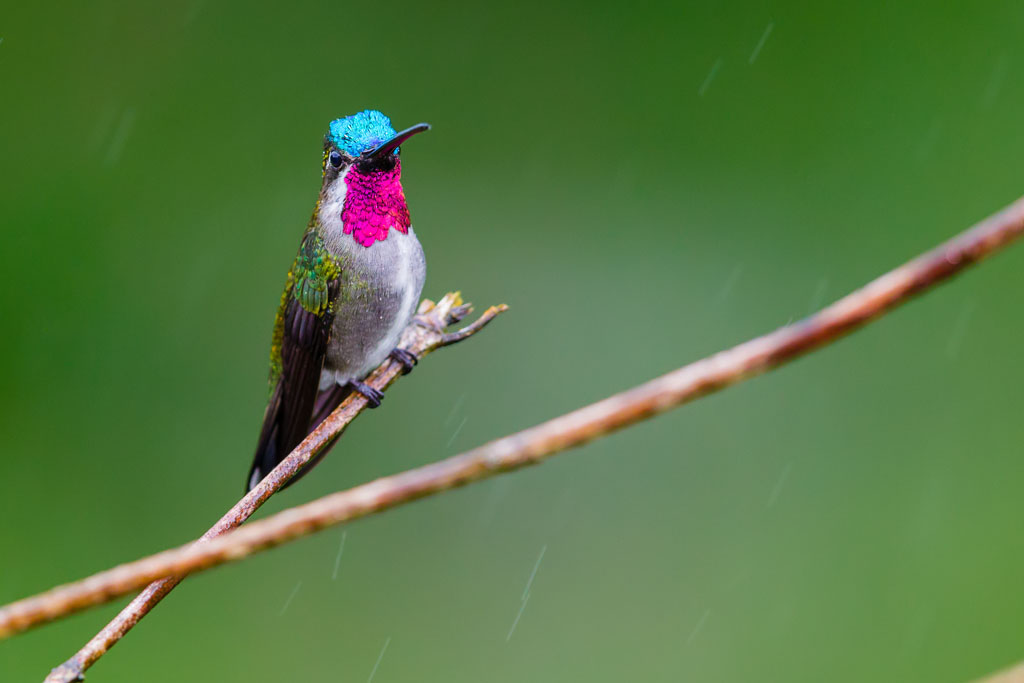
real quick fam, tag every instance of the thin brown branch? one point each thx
(573, 429)
(423, 335)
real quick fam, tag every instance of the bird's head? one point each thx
(362, 174)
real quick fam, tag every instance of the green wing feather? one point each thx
(302, 331)
(307, 284)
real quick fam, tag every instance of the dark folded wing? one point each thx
(302, 332)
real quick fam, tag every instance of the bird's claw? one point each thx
(373, 396)
(407, 358)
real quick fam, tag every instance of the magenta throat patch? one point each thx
(374, 203)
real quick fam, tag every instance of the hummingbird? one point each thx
(351, 290)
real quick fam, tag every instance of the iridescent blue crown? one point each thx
(360, 132)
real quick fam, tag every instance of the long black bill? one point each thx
(385, 148)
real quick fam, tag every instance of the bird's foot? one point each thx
(407, 358)
(372, 396)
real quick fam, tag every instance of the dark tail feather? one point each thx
(270, 450)
(326, 402)
(267, 448)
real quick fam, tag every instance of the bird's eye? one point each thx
(335, 159)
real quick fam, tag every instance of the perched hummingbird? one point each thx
(352, 289)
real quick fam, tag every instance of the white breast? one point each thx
(367, 329)
(409, 282)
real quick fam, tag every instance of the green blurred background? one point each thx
(643, 186)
